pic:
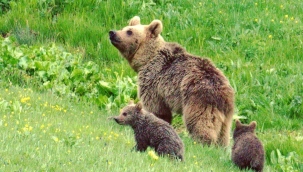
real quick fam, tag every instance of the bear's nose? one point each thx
(112, 33)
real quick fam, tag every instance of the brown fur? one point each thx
(172, 80)
(248, 151)
(151, 131)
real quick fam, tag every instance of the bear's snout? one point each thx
(117, 120)
(112, 33)
(113, 36)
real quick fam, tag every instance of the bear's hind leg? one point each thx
(203, 123)
(224, 137)
(167, 148)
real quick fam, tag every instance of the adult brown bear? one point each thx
(172, 80)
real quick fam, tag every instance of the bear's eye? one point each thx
(124, 114)
(129, 32)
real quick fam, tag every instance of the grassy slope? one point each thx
(257, 44)
(43, 132)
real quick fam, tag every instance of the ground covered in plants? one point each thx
(60, 79)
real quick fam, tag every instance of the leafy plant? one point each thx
(286, 163)
(4, 6)
(66, 74)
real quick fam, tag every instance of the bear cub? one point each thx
(247, 151)
(151, 131)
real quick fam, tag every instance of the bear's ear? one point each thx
(134, 21)
(155, 27)
(139, 106)
(131, 102)
(238, 123)
(253, 125)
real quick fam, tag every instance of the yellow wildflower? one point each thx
(153, 155)
(55, 139)
(42, 126)
(25, 99)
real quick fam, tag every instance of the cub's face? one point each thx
(129, 114)
(130, 38)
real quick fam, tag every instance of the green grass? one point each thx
(257, 44)
(41, 132)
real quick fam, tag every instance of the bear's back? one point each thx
(153, 130)
(173, 71)
(248, 151)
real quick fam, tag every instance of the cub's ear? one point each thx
(134, 21)
(238, 123)
(131, 102)
(253, 125)
(155, 27)
(139, 106)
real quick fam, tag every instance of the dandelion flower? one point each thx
(286, 16)
(55, 139)
(153, 155)
(42, 126)
(25, 99)
(269, 36)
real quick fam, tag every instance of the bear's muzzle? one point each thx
(113, 37)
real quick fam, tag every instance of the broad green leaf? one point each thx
(23, 62)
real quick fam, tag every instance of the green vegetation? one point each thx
(61, 78)
(65, 74)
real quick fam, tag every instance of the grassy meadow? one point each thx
(61, 79)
